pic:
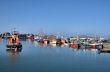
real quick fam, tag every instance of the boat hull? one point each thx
(14, 46)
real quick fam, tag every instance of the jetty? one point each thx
(105, 50)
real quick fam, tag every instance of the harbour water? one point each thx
(41, 58)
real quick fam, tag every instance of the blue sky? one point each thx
(53, 16)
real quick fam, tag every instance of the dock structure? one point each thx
(106, 45)
(105, 50)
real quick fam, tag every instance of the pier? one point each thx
(105, 50)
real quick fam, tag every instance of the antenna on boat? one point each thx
(14, 29)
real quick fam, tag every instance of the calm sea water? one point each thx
(40, 58)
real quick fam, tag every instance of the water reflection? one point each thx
(13, 53)
(0, 39)
(36, 56)
(14, 50)
(53, 45)
(88, 50)
(30, 40)
(67, 46)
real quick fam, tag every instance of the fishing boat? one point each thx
(14, 41)
(97, 45)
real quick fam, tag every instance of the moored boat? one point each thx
(14, 42)
(97, 45)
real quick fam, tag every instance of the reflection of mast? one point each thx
(13, 53)
(0, 39)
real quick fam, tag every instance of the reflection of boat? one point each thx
(13, 53)
(53, 45)
(105, 50)
(14, 50)
(85, 46)
(0, 39)
(14, 46)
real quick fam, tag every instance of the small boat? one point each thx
(73, 45)
(97, 46)
(14, 42)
